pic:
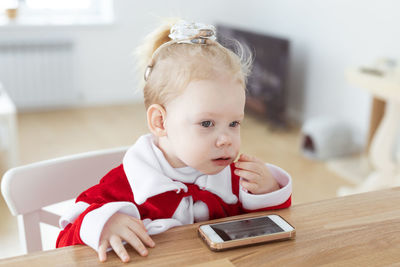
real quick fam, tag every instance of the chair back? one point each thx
(28, 189)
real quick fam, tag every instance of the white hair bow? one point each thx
(192, 33)
(185, 32)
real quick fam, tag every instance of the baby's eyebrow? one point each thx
(213, 115)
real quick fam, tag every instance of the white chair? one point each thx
(28, 189)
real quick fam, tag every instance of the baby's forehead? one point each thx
(223, 113)
(210, 98)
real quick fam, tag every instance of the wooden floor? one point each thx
(44, 135)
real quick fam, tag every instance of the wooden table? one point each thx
(357, 230)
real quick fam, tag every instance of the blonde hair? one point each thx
(177, 64)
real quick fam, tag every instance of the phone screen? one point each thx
(246, 228)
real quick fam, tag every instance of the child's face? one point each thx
(203, 125)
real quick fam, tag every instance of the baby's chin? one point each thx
(213, 170)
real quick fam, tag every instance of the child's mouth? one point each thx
(223, 161)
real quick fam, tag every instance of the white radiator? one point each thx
(39, 74)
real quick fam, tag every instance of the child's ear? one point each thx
(155, 120)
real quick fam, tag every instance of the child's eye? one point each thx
(207, 124)
(234, 124)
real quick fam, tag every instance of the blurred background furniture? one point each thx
(267, 85)
(383, 152)
(324, 138)
(28, 189)
(8, 128)
(376, 116)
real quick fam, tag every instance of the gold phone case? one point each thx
(246, 241)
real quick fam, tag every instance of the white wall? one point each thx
(326, 38)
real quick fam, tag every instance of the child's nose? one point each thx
(223, 140)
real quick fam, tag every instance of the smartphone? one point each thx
(243, 232)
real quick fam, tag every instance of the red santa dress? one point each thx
(147, 187)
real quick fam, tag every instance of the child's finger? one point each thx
(136, 221)
(119, 248)
(245, 157)
(250, 166)
(248, 175)
(136, 243)
(103, 251)
(248, 185)
(144, 236)
(137, 227)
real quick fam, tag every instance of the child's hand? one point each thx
(257, 177)
(124, 227)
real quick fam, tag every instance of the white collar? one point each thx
(149, 174)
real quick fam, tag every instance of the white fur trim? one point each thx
(253, 202)
(160, 225)
(145, 159)
(219, 184)
(184, 211)
(200, 211)
(141, 161)
(73, 213)
(94, 221)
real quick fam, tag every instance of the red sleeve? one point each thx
(112, 187)
(70, 235)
